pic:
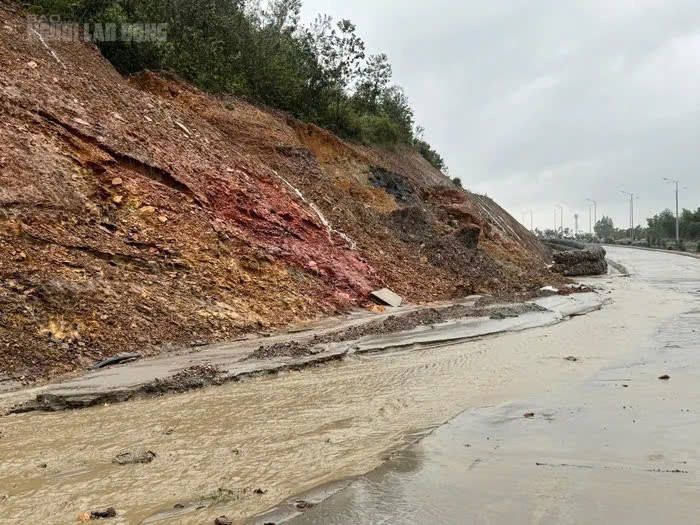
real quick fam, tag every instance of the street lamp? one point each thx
(561, 221)
(595, 214)
(678, 229)
(631, 195)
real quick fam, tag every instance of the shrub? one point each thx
(378, 130)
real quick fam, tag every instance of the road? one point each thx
(616, 445)
(243, 448)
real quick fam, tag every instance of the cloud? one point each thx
(543, 102)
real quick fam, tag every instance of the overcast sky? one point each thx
(546, 102)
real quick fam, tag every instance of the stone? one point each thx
(103, 514)
(386, 297)
(222, 520)
(131, 458)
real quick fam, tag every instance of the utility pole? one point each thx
(678, 227)
(575, 224)
(631, 213)
(595, 213)
(532, 220)
(561, 220)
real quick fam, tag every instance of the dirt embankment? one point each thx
(138, 214)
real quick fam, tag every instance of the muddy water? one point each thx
(617, 446)
(287, 435)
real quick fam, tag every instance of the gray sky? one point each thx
(544, 102)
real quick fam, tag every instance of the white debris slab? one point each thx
(386, 297)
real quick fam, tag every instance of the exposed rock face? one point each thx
(574, 263)
(141, 213)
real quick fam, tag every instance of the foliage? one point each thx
(604, 228)
(427, 151)
(457, 181)
(318, 73)
(663, 226)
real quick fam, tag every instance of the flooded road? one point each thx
(216, 447)
(614, 445)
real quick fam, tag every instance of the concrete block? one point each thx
(387, 297)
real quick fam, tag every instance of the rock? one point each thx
(163, 219)
(117, 181)
(259, 491)
(103, 514)
(147, 210)
(131, 458)
(42, 465)
(32, 64)
(118, 359)
(529, 415)
(84, 517)
(183, 128)
(571, 358)
(387, 297)
(222, 520)
(304, 505)
(117, 199)
(665, 377)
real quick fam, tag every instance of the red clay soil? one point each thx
(140, 214)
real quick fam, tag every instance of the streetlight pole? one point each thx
(561, 220)
(595, 213)
(678, 228)
(631, 213)
(532, 220)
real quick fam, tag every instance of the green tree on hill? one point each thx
(318, 73)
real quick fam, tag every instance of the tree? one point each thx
(663, 225)
(374, 80)
(340, 53)
(262, 52)
(604, 228)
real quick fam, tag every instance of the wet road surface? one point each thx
(287, 435)
(615, 445)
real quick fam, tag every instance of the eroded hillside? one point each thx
(140, 214)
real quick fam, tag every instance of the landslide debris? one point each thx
(391, 325)
(587, 261)
(138, 215)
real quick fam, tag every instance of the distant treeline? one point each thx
(660, 230)
(663, 225)
(318, 73)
